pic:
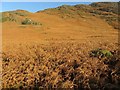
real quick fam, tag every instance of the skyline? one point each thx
(34, 6)
(37, 6)
(60, 1)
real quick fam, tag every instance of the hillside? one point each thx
(18, 16)
(105, 10)
(63, 47)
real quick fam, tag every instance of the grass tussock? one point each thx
(67, 65)
(27, 21)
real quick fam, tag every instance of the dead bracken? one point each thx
(52, 67)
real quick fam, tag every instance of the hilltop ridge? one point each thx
(107, 11)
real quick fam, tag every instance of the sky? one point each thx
(34, 6)
(59, 0)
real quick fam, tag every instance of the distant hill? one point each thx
(106, 6)
(107, 11)
(15, 16)
(18, 16)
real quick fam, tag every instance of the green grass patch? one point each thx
(100, 53)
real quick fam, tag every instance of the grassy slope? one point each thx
(56, 28)
(106, 11)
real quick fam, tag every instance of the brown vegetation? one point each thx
(104, 10)
(60, 66)
(65, 47)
